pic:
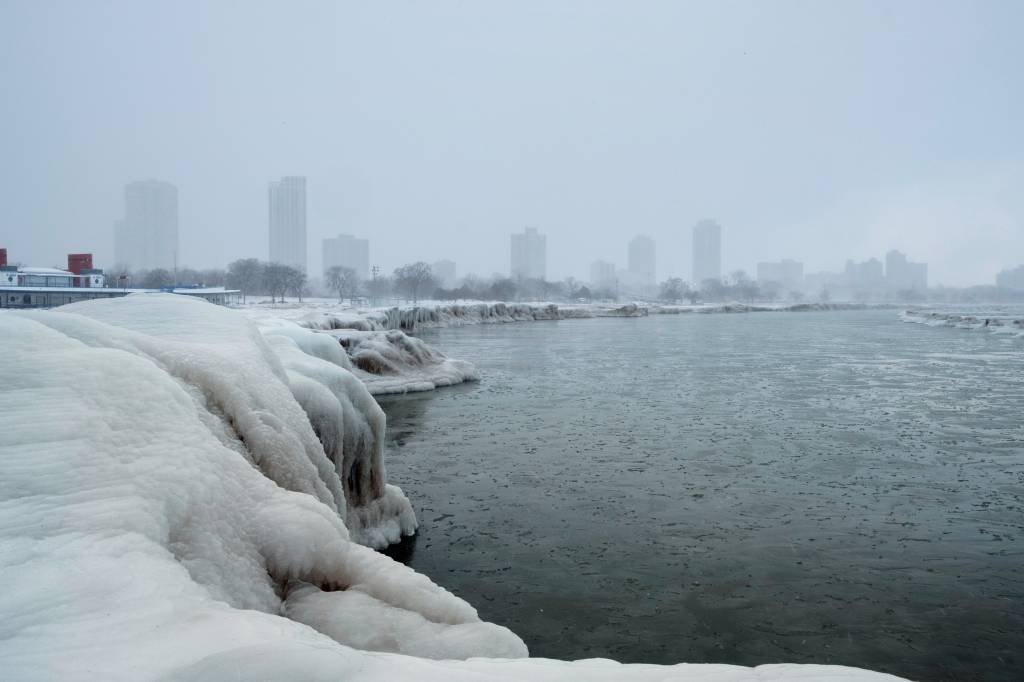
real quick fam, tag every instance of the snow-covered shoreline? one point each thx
(327, 315)
(188, 496)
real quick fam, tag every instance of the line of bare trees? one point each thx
(738, 286)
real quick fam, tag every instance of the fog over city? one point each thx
(820, 132)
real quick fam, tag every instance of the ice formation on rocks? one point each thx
(412, 318)
(167, 511)
(994, 321)
(393, 362)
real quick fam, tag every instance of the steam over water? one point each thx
(817, 487)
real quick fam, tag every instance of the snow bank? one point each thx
(166, 513)
(994, 322)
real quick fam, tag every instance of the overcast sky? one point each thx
(819, 131)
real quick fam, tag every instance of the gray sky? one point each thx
(813, 130)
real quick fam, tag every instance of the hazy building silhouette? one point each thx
(903, 275)
(641, 261)
(529, 255)
(348, 252)
(147, 237)
(787, 273)
(707, 251)
(865, 277)
(602, 275)
(444, 272)
(1011, 279)
(287, 219)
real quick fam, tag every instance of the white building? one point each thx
(444, 271)
(602, 275)
(147, 237)
(865, 277)
(529, 257)
(787, 273)
(287, 218)
(903, 275)
(641, 261)
(348, 252)
(707, 251)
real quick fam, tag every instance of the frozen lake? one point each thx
(807, 487)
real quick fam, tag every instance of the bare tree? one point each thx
(157, 278)
(672, 290)
(247, 274)
(712, 290)
(275, 280)
(413, 279)
(295, 282)
(504, 289)
(379, 287)
(212, 277)
(744, 287)
(341, 280)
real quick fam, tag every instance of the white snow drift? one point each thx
(167, 511)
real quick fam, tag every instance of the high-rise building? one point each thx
(866, 277)
(640, 263)
(787, 273)
(529, 257)
(903, 275)
(1011, 279)
(147, 237)
(602, 275)
(287, 217)
(444, 271)
(348, 252)
(707, 251)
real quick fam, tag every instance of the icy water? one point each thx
(808, 487)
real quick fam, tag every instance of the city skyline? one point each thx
(673, 127)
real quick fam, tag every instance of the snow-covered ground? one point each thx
(994, 319)
(185, 496)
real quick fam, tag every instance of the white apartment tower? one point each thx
(707, 251)
(348, 252)
(641, 261)
(147, 237)
(287, 218)
(529, 259)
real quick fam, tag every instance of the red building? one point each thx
(78, 262)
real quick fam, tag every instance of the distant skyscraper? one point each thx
(866, 277)
(641, 261)
(444, 271)
(903, 275)
(529, 254)
(348, 252)
(147, 237)
(602, 275)
(787, 273)
(707, 251)
(287, 204)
